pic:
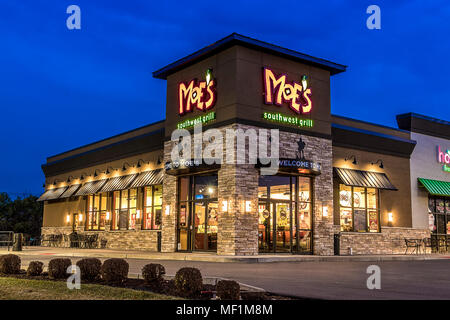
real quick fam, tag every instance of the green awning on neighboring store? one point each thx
(436, 187)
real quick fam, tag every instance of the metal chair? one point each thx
(412, 243)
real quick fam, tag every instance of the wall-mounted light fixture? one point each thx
(380, 161)
(68, 218)
(390, 217)
(324, 211)
(95, 172)
(69, 179)
(354, 159)
(124, 168)
(224, 206)
(139, 163)
(80, 217)
(248, 206)
(83, 175)
(167, 210)
(160, 159)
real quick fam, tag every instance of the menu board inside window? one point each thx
(373, 220)
(440, 206)
(360, 220)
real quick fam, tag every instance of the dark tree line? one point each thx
(22, 215)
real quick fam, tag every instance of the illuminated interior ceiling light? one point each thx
(107, 215)
(304, 82)
(381, 163)
(208, 76)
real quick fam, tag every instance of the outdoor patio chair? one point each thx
(414, 244)
(92, 241)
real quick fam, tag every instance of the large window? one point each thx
(358, 209)
(124, 209)
(439, 210)
(96, 213)
(152, 208)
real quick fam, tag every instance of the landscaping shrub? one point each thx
(9, 264)
(90, 269)
(153, 272)
(115, 270)
(57, 268)
(35, 268)
(228, 290)
(188, 282)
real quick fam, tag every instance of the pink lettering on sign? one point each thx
(443, 157)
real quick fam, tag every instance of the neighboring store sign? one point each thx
(444, 157)
(203, 119)
(200, 95)
(278, 91)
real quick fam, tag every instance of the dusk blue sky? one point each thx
(60, 88)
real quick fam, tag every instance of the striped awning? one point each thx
(148, 178)
(118, 183)
(70, 191)
(436, 187)
(365, 179)
(90, 187)
(52, 194)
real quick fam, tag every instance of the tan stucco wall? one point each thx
(424, 164)
(239, 77)
(55, 212)
(397, 170)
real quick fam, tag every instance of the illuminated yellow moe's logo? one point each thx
(200, 95)
(277, 91)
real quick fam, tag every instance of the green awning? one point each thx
(436, 187)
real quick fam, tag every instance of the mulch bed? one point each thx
(167, 287)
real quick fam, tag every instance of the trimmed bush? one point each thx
(228, 290)
(188, 282)
(90, 269)
(9, 264)
(115, 270)
(153, 272)
(35, 268)
(57, 268)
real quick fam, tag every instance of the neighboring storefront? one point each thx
(342, 184)
(430, 175)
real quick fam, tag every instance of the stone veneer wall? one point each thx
(389, 241)
(318, 150)
(121, 239)
(238, 230)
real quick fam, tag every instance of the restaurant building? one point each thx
(343, 186)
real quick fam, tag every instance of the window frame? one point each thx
(352, 207)
(152, 207)
(92, 214)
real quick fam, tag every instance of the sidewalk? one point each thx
(211, 257)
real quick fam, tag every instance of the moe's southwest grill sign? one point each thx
(278, 91)
(296, 95)
(444, 158)
(195, 94)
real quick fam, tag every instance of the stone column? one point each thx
(170, 194)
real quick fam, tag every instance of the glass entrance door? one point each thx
(285, 214)
(198, 213)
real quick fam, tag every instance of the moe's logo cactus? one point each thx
(197, 94)
(278, 91)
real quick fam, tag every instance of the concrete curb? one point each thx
(214, 258)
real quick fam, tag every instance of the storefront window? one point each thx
(439, 210)
(96, 213)
(152, 207)
(358, 208)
